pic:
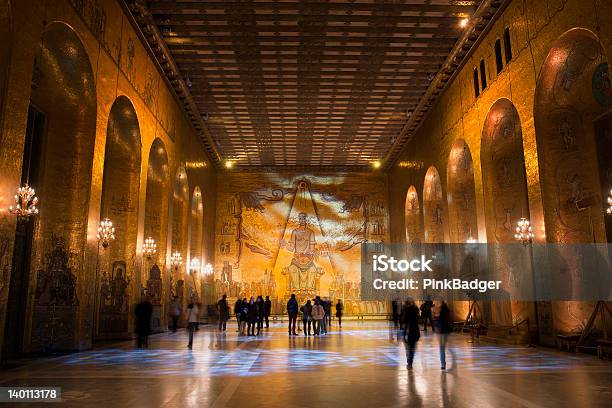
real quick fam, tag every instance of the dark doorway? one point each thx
(24, 232)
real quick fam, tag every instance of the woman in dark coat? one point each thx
(306, 317)
(412, 332)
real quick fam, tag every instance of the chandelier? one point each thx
(176, 260)
(208, 269)
(25, 203)
(194, 265)
(609, 209)
(106, 232)
(149, 248)
(524, 233)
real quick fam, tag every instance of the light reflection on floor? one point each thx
(223, 357)
(361, 366)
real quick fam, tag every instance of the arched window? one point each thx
(507, 45)
(499, 62)
(483, 75)
(476, 85)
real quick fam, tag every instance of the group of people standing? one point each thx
(316, 315)
(408, 321)
(250, 314)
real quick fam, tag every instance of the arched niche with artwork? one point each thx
(461, 194)
(412, 216)
(506, 202)
(58, 156)
(156, 226)
(463, 223)
(119, 204)
(434, 212)
(180, 230)
(196, 243)
(573, 126)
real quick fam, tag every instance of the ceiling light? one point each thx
(229, 164)
(376, 164)
(464, 22)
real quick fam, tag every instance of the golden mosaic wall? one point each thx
(535, 28)
(278, 234)
(108, 115)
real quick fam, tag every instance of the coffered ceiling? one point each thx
(308, 83)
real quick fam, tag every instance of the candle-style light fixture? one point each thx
(471, 240)
(194, 265)
(524, 232)
(106, 232)
(176, 260)
(25, 203)
(149, 248)
(208, 269)
(609, 209)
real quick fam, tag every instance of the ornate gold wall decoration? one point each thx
(278, 234)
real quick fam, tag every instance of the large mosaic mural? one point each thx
(283, 234)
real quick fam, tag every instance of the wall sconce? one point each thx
(106, 232)
(149, 248)
(524, 233)
(25, 203)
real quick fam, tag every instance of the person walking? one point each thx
(261, 312)
(252, 317)
(339, 309)
(237, 312)
(426, 314)
(394, 313)
(411, 333)
(175, 313)
(192, 317)
(224, 312)
(267, 310)
(292, 311)
(307, 317)
(143, 312)
(317, 317)
(444, 327)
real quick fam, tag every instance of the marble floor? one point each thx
(361, 365)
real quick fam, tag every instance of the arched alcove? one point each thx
(463, 223)
(156, 225)
(461, 194)
(120, 188)
(506, 202)
(180, 229)
(58, 159)
(575, 159)
(434, 218)
(196, 237)
(412, 215)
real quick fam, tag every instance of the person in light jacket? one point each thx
(192, 315)
(317, 317)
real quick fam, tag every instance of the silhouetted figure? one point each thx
(224, 312)
(339, 311)
(244, 315)
(143, 312)
(292, 311)
(252, 317)
(426, 314)
(412, 333)
(175, 313)
(394, 314)
(237, 312)
(327, 318)
(261, 312)
(267, 310)
(193, 318)
(307, 317)
(318, 313)
(444, 326)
